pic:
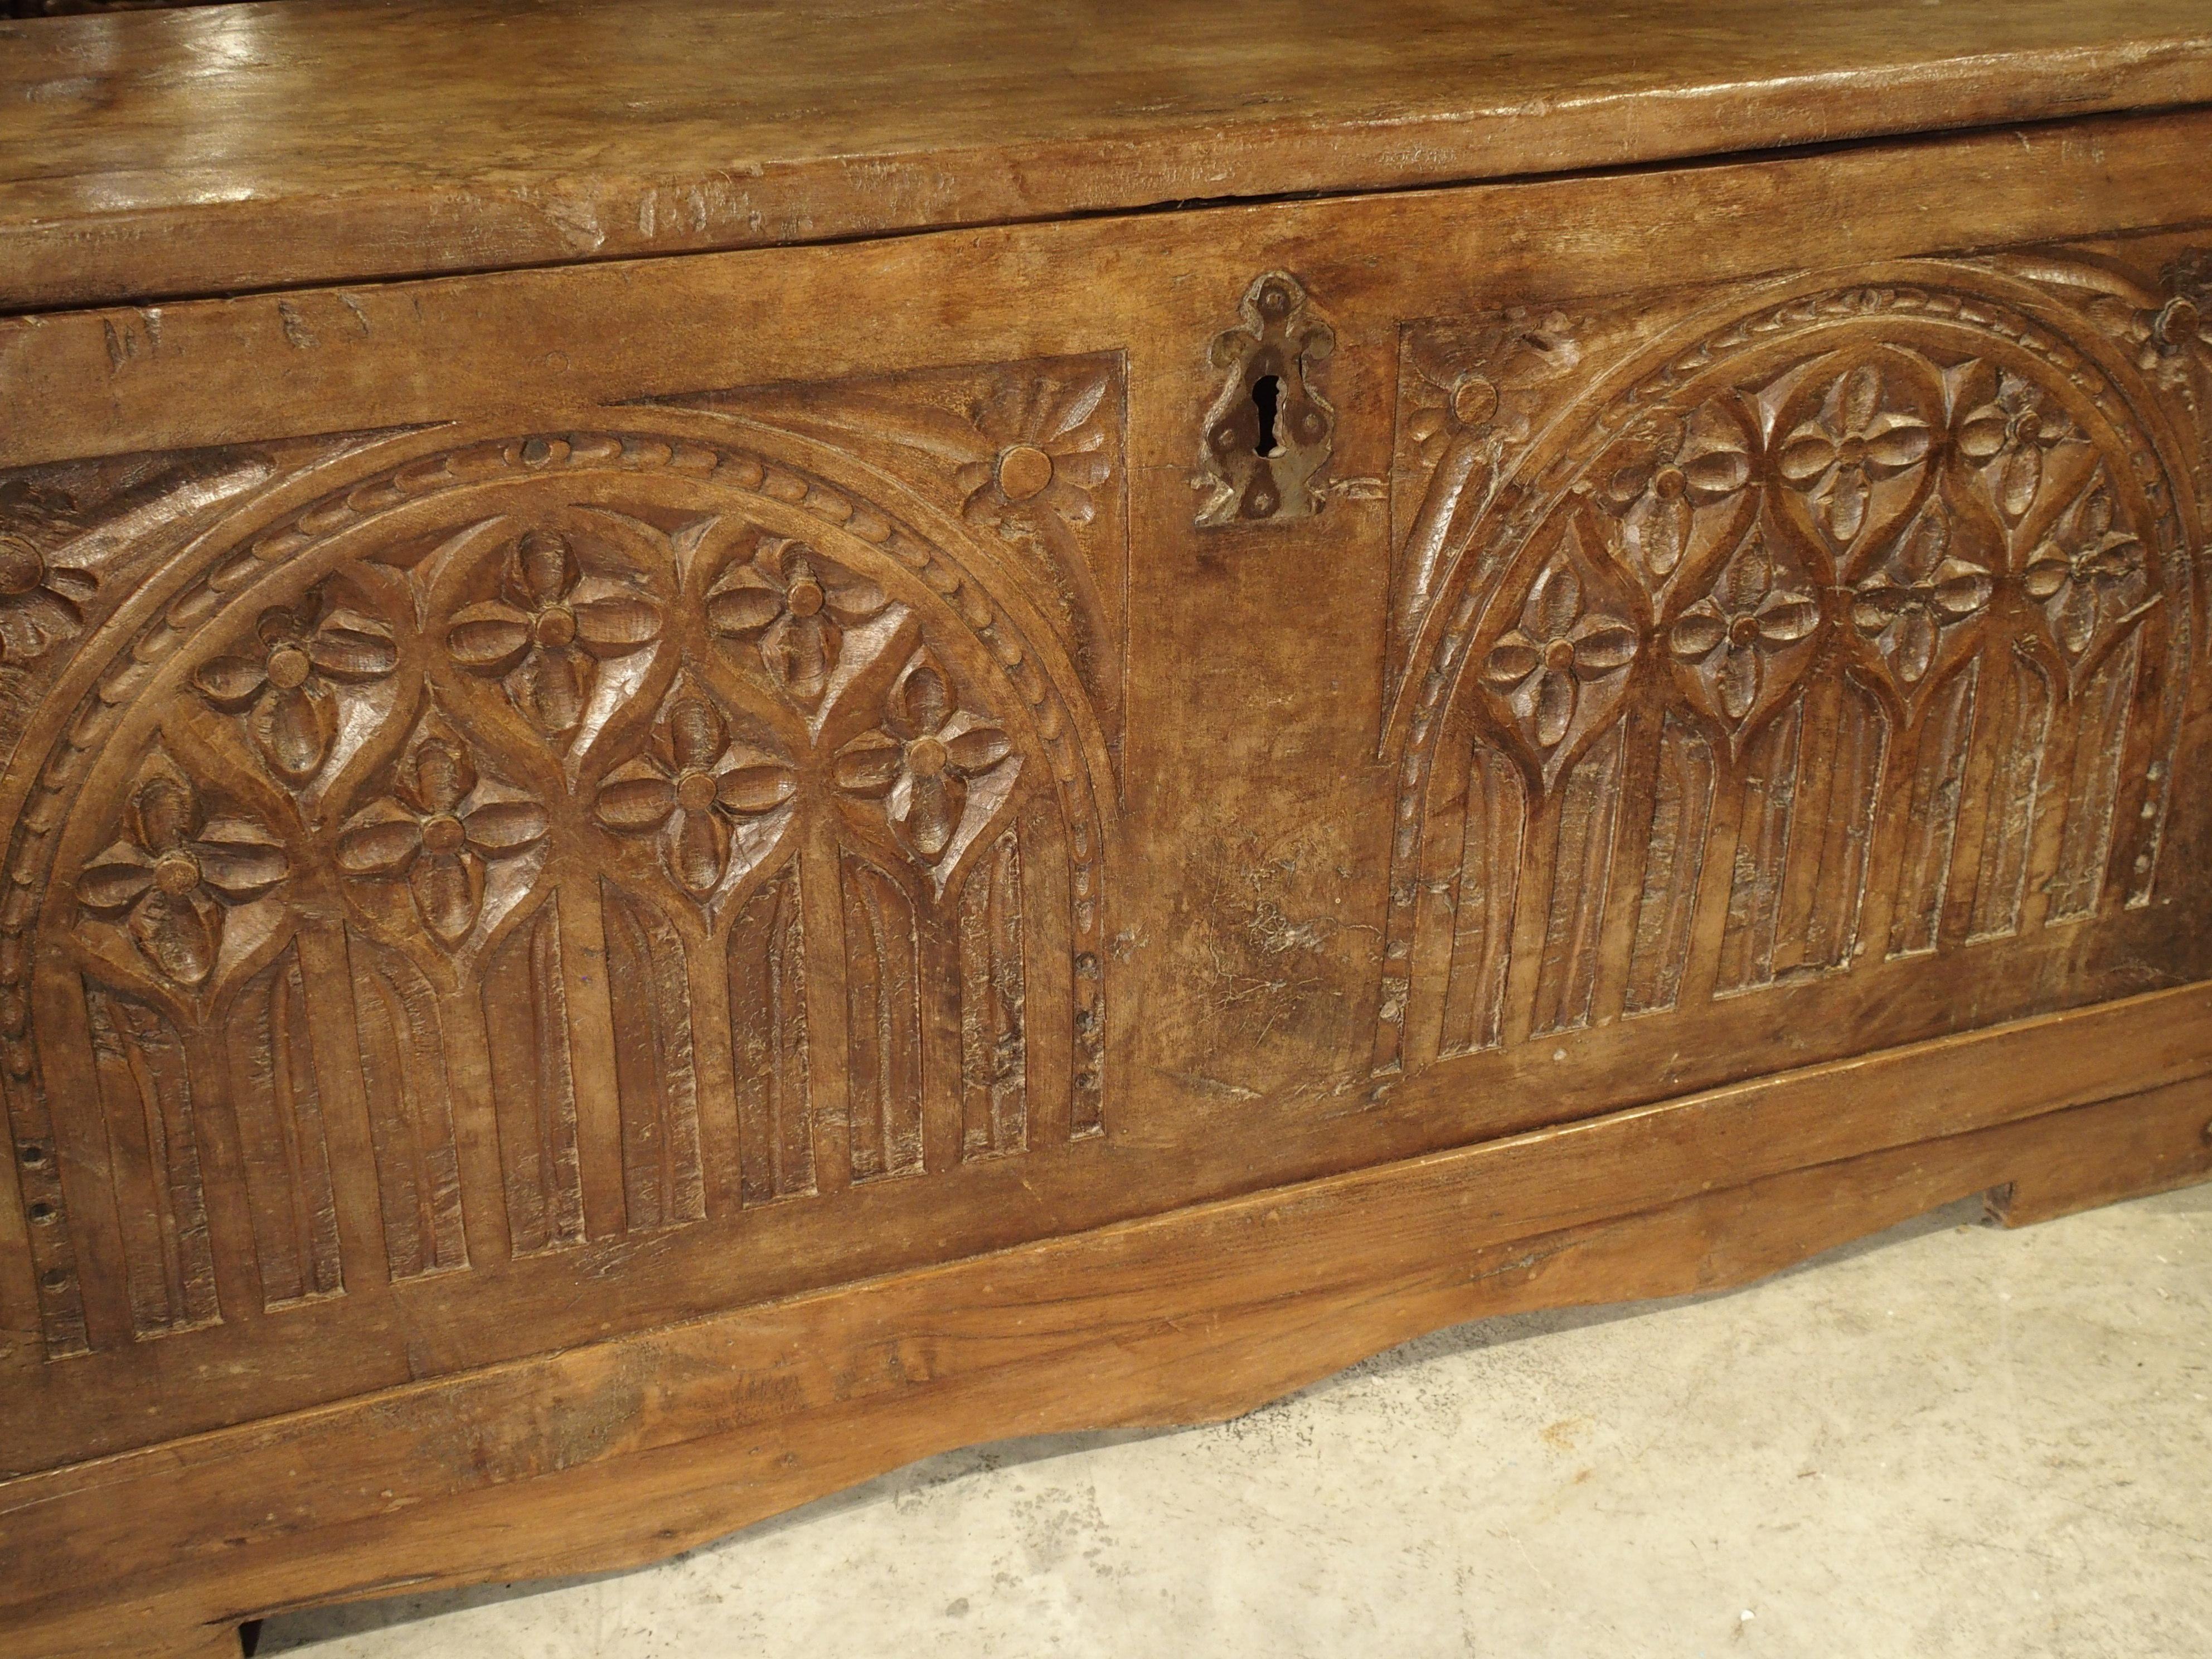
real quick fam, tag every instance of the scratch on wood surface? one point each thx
(297, 334)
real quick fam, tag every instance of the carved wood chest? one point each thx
(741, 741)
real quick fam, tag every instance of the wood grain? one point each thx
(631, 891)
(628, 1451)
(166, 378)
(323, 140)
(710, 833)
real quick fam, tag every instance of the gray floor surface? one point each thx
(1949, 1439)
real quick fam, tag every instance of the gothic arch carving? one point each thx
(1840, 624)
(628, 784)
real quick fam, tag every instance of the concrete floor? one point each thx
(1945, 1440)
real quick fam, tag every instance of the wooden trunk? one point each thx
(637, 887)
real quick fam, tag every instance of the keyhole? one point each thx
(1267, 394)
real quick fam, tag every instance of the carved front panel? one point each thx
(1838, 624)
(458, 849)
(508, 881)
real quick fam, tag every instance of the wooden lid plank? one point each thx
(219, 149)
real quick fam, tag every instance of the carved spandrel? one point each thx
(1883, 563)
(42, 601)
(2160, 320)
(1473, 394)
(1028, 455)
(73, 533)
